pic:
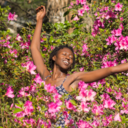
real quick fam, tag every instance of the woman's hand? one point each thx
(41, 12)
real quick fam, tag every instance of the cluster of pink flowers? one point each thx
(105, 13)
(86, 99)
(30, 67)
(26, 110)
(82, 10)
(12, 16)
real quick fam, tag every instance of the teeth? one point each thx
(66, 62)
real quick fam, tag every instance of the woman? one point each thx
(61, 61)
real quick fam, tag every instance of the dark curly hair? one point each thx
(54, 52)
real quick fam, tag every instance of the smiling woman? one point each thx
(61, 60)
(66, 55)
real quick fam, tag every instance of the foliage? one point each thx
(26, 101)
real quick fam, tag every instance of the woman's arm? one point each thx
(100, 74)
(35, 45)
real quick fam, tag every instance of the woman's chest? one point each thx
(61, 85)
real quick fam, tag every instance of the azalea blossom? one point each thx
(97, 110)
(30, 67)
(118, 7)
(76, 18)
(69, 105)
(84, 107)
(18, 37)
(80, 12)
(56, 97)
(86, 8)
(49, 88)
(84, 49)
(83, 124)
(109, 103)
(117, 117)
(9, 92)
(90, 95)
(54, 107)
(12, 16)
(38, 79)
(83, 1)
(117, 32)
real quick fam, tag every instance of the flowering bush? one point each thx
(26, 101)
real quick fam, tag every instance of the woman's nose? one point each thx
(67, 57)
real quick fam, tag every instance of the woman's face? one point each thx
(64, 58)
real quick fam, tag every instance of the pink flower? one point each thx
(80, 12)
(83, 124)
(117, 32)
(106, 120)
(14, 52)
(56, 97)
(90, 95)
(84, 107)
(82, 69)
(18, 37)
(105, 96)
(118, 95)
(123, 61)
(123, 45)
(83, 1)
(54, 107)
(8, 37)
(38, 79)
(84, 50)
(9, 92)
(71, 4)
(22, 92)
(97, 110)
(12, 16)
(30, 67)
(77, 2)
(82, 95)
(49, 88)
(109, 15)
(109, 64)
(111, 40)
(76, 18)
(82, 85)
(109, 103)
(28, 108)
(69, 105)
(118, 7)
(86, 8)
(117, 117)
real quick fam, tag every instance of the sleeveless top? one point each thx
(61, 90)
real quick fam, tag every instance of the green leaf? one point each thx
(73, 102)
(51, 39)
(17, 110)
(66, 13)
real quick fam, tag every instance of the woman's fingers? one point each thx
(41, 8)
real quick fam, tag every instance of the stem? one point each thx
(1, 114)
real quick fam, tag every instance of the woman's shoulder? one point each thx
(73, 77)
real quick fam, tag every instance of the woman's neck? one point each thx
(57, 73)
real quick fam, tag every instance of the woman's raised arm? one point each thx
(100, 74)
(35, 45)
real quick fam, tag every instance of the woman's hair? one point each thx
(54, 52)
